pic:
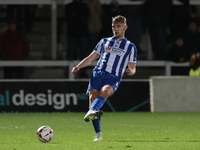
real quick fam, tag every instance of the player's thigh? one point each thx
(111, 83)
(106, 91)
(95, 81)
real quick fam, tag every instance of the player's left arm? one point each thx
(131, 70)
(85, 62)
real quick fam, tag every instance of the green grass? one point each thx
(121, 131)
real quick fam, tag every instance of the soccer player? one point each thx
(117, 55)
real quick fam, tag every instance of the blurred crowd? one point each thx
(173, 29)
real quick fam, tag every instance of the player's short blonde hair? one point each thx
(119, 18)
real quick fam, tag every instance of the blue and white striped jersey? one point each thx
(115, 55)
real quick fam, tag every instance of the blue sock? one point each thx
(96, 124)
(97, 103)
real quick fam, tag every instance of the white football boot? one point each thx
(98, 137)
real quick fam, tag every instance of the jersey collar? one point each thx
(125, 39)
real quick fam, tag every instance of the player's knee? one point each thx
(106, 92)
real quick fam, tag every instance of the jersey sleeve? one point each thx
(99, 47)
(133, 55)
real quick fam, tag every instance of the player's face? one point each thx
(119, 30)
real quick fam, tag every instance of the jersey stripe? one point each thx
(125, 60)
(115, 64)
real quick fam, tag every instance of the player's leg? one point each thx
(92, 113)
(110, 85)
(94, 87)
(104, 93)
(97, 128)
(93, 94)
(96, 104)
(107, 86)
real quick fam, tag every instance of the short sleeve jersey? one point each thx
(115, 55)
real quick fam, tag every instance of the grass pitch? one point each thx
(121, 131)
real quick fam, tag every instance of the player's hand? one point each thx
(130, 71)
(75, 69)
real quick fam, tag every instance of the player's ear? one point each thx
(126, 27)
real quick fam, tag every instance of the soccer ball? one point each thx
(45, 133)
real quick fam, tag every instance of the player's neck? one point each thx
(120, 38)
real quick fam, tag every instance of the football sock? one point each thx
(97, 103)
(96, 124)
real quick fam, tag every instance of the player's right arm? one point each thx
(85, 62)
